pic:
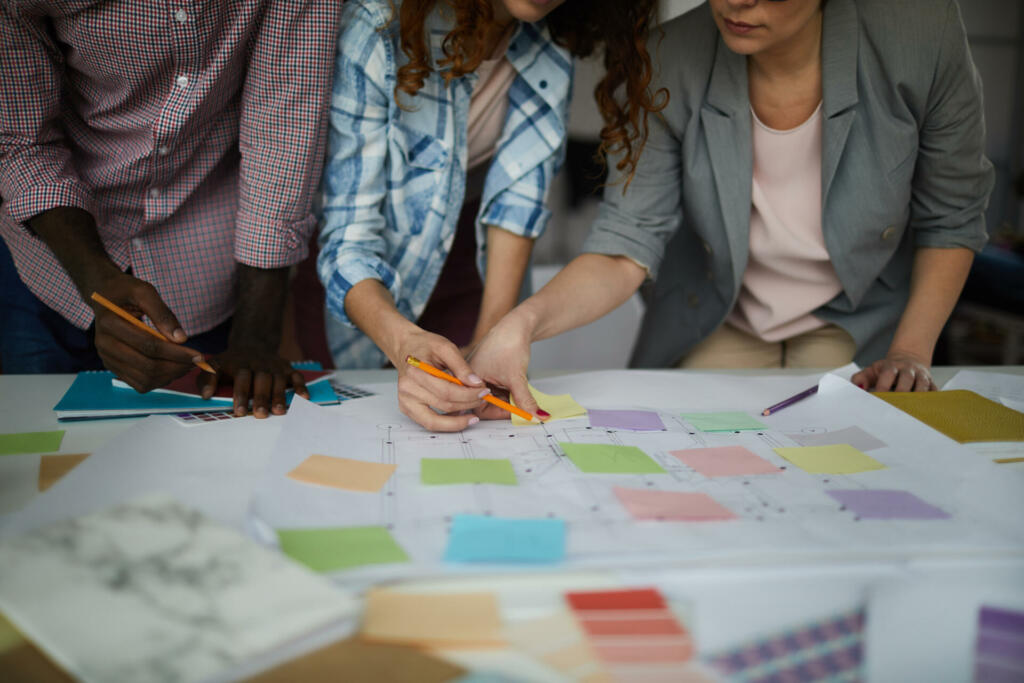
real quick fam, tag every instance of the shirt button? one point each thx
(543, 84)
(181, 16)
(182, 81)
(154, 192)
(889, 232)
(693, 300)
(163, 150)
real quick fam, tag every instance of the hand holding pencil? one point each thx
(490, 398)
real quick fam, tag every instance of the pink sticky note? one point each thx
(672, 506)
(725, 461)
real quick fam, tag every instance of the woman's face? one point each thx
(525, 10)
(750, 27)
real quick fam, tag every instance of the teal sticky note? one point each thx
(597, 458)
(330, 549)
(476, 538)
(31, 442)
(722, 422)
(440, 471)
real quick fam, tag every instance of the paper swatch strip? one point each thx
(433, 620)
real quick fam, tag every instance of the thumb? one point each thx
(519, 390)
(153, 306)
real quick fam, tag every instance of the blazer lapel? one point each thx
(839, 85)
(726, 120)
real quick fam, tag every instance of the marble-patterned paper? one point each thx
(151, 590)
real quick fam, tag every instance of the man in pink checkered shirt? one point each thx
(164, 154)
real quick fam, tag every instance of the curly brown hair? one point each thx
(621, 27)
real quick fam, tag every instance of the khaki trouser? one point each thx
(728, 347)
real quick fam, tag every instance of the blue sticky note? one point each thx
(475, 538)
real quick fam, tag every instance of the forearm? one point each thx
(259, 313)
(507, 257)
(71, 235)
(591, 286)
(370, 306)
(937, 279)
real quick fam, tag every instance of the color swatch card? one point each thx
(560, 406)
(836, 459)
(558, 641)
(885, 504)
(343, 473)
(433, 620)
(30, 442)
(671, 506)
(627, 420)
(478, 538)
(607, 459)
(962, 415)
(442, 471)
(723, 421)
(725, 461)
(999, 648)
(332, 549)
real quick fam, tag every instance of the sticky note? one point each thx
(477, 538)
(671, 506)
(53, 467)
(722, 422)
(334, 548)
(343, 473)
(999, 645)
(433, 619)
(835, 459)
(886, 504)
(30, 442)
(561, 406)
(438, 471)
(724, 461)
(854, 436)
(633, 420)
(596, 458)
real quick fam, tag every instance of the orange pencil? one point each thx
(125, 315)
(493, 400)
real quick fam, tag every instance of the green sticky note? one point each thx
(325, 550)
(30, 442)
(722, 422)
(597, 458)
(458, 471)
(835, 459)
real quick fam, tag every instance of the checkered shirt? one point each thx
(192, 130)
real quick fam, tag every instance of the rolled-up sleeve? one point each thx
(352, 243)
(952, 179)
(282, 131)
(36, 170)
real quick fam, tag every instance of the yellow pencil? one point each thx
(493, 400)
(125, 315)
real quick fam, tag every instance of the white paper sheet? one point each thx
(999, 386)
(781, 516)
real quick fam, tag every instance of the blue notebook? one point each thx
(93, 396)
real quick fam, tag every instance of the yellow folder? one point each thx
(962, 415)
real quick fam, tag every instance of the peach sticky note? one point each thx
(343, 473)
(834, 459)
(53, 467)
(725, 461)
(672, 506)
(457, 620)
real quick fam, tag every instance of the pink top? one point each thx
(488, 106)
(788, 272)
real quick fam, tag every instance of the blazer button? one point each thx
(707, 247)
(693, 300)
(889, 232)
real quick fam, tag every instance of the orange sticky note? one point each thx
(343, 473)
(456, 620)
(53, 467)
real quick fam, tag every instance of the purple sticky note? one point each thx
(999, 648)
(887, 504)
(633, 420)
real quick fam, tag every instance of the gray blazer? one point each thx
(902, 167)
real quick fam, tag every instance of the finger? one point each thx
(864, 378)
(263, 384)
(519, 390)
(140, 372)
(906, 379)
(299, 384)
(439, 394)
(206, 384)
(278, 401)
(153, 306)
(449, 355)
(243, 383)
(923, 382)
(427, 418)
(108, 324)
(886, 378)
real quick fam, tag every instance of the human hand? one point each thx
(256, 373)
(898, 371)
(501, 359)
(420, 394)
(140, 358)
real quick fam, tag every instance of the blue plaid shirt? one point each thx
(395, 178)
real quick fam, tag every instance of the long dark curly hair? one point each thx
(621, 27)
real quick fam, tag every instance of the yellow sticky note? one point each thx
(53, 467)
(343, 473)
(457, 620)
(560, 406)
(834, 459)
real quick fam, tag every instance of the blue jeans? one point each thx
(34, 338)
